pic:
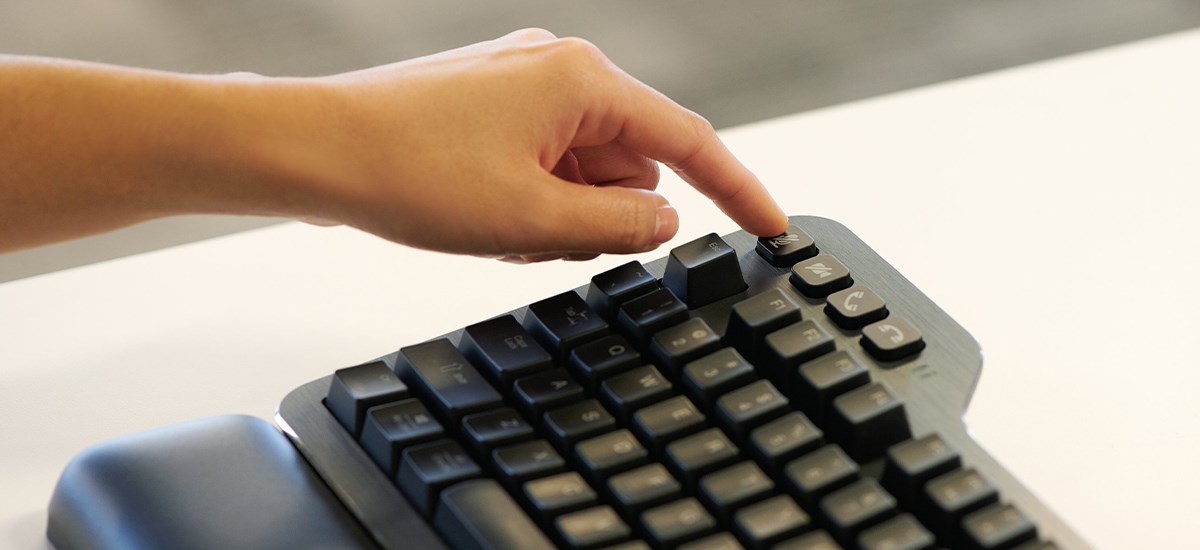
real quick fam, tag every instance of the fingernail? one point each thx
(666, 223)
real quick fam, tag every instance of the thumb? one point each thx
(605, 219)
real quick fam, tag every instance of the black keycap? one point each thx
(816, 540)
(642, 488)
(438, 372)
(703, 271)
(752, 319)
(518, 463)
(619, 285)
(674, 347)
(711, 376)
(997, 527)
(487, 430)
(749, 407)
(892, 339)
(868, 420)
(785, 349)
(503, 350)
(786, 248)
(591, 528)
(779, 441)
(562, 322)
(645, 315)
(545, 390)
(665, 421)
(855, 307)
(816, 474)
(821, 380)
(625, 393)
(568, 425)
(597, 360)
(677, 522)
(478, 514)
(1038, 545)
(849, 510)
(392, 427)
(820, 276)
(728, 489)
(717, 541)
(902, 532)
(353, 390)
(949, 497)
(604, 455)
(696, 455)
(761, 525)
(428, 468)
(629, 545)
(913, 463)
(552, 496)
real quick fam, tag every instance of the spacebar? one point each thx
(479, 514)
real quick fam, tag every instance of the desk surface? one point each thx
(1047, 208)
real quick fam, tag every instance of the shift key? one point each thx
(449, 383)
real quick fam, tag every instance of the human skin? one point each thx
(524, 148)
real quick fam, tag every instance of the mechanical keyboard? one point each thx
(790, 392)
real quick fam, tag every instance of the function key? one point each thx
(559, 494)
(892, 339)
(553, 388)
(752, 319)
(438, 372)
(788, 347)
(750, 406)
(713, 375)
(353, 390)
(704, 271)
(495, 428)
(821, 275)
(867, 421)
(997, 526)
(619, 285)
(855, 307)
(591, 528)
(599, 359)
(428, 468)
(503, 350)
(645, 315)
(855, 507)
(819, 381)
(678, 345)
(677, 522)
(392, 427)
(786, 248)
(562, 322)
(762, 525)
(913, 463)
(902, 532)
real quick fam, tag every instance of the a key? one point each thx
(786, 248)
(550, 497)
(761, 525)
(676, 346)
(703, 271)
(625, 393)
(997, 526)
(777, 442)
(892, 339)
(503, 350)
(479, 514)
(665, 421)
(392, 427)
(949, 497)
(619, 285)
(855, 307)
(867, 421)
(677, 522)
(902, 532)
(785, 349)
(752, 319)
(353, 390)
(696, 455)
(820, 276)
(428, 468)
(645, 315)
(642, 488)
(604, 455)
(572, 423)
(439, 373)
(515, 464)
(562, 322)
(597, 360)
(912, 463)
(849, 510)
(488, 430)
(750, 406)
(733, 487)
(816, 474)
(821, 380)
(591, 528)
(711, 376)
(548, 389)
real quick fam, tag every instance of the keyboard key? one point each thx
(950, 497)
(996, 527)
(677, 522)
(718, 541)
(867, 421)
(786, 248)
(592, 528)
(750, 406)
(392, 427)
(703, 271)
(699, 454)
(548, 389)
(785, 349)
(515, 464)
(849, 510)
(562, 322)
(752, 319)
(855, 307)
(439, 373)
(681, 344)
(353, 390)
(611, 289)
(665, 421)
(892, 339)
(552, 496)
(487, 430)
(593, 362)
(428, 468)
(821, 380)
(759, 526)
(816, 540)
(604, 455)
(913, 463)
(568, 425)
(645, 315)
(478, 514)
(713, 375)
(642, 488)
(818, 473)
(503, 350)
(902, 532)
(777, 442)
(820, 276)
(731, 488)
(625, 393)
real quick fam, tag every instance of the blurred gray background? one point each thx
(734, 62)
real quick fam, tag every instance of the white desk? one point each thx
(1048, 208)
